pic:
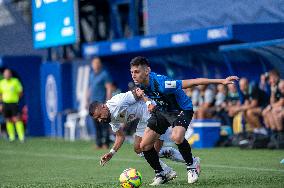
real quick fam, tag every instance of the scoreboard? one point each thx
(54, 22)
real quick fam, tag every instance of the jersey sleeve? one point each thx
(19, 86)
(168, 85)
(115, 127)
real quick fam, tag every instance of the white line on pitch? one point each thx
(76, 157)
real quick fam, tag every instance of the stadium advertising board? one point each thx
(162, 41)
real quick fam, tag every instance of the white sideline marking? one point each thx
(76, 157)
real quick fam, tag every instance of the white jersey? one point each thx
(124, 108)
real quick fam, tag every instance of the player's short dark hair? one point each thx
(93, 106)
(139, 60)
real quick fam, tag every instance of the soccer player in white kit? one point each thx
(123, 108)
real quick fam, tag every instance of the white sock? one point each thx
(174, 154)
(141, 154)
(164, 166)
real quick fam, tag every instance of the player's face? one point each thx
(7, 74)
(102, 114)
(139, 74)
(96, 64)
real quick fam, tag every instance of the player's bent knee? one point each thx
(172, 137)
(177, 139)
(145, 147)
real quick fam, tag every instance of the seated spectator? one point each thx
(203, 98)
(273, 113)
(232, 100)
(221, 95)
(263, 83)
(254, 102)
(278, 109)
(221, 105)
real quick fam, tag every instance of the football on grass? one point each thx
(130, 178)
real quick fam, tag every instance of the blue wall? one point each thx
(27, 68)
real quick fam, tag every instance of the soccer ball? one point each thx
(130, 178)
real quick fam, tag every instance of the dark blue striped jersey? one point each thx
(167, 93)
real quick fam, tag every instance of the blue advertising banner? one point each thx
(54, 96)
(54, 22)
(192, 38)
(163, 41)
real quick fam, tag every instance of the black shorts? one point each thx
(10, 110)
(160, 121)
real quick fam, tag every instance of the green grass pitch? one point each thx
(55, 163)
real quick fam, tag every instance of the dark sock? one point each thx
(153, 159)
(185, 150)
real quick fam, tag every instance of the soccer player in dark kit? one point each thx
(173, 108)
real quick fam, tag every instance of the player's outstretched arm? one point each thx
(205, 81)
(119, 139)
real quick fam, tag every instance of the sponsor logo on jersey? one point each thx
(170, 84)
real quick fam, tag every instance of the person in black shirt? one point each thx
(255, 101)
(278, 109)
(271, 112)
(274, 113)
